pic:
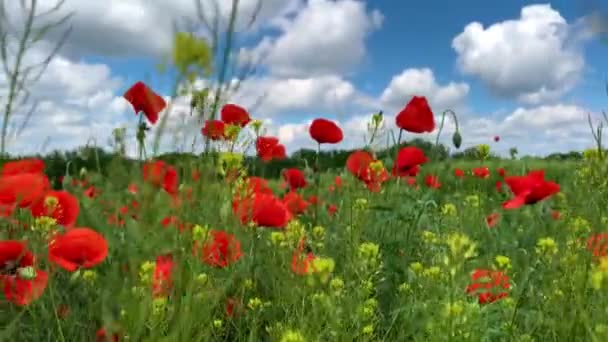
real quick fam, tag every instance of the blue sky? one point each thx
(344, 59)
(419, 34)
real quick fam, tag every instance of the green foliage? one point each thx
(191, 56)
(329, 161)
(393, 265)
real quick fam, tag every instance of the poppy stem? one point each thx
(596, 132)
(141, 136)
(456, 132)
(254, 252)
(54, 305)
(399, 138)
(138, 135)
(318, 181)
(442, 122)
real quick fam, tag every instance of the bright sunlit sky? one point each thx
(526, 71)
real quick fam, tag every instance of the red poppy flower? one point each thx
(416, 117)
(170, 221)
(359, 163)
(258, 185)
(162, 277)
(332, 209)
(78, 247)
(555, 214)
(488, 285)
(458, 173)
(214, 130)
(60, 205)
(279, 152)
(295, 178)
(91, 192)
(481, 172)
(6, 210)
(377, 177)
(295, 203)
(162, 175)
(30, 165)
(18, 288)
(313, 200)
(250, 187)
(132, 188)
(262, 209)
(338, 181)
(324, 131)
(101, 336)
(529, 189)
(143, 99)
(499, 186)
(115, 220)
(235, 115)
(301, 264)
(432, 181)
(234, 307)
(501, 172)
(411, 181)
(23, 189)
(268, 148)
(220, 250)
(265, 144)
(492, 219)
(196, 175)
(412, 172)
(408, 161)
(597, 244)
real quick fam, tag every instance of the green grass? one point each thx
(412, 289)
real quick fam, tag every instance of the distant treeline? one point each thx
(96, 159)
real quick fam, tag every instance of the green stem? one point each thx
(12, 92)
(519, 302)
(224, 65)
(442, 122)
(399, 138)
(140, 136)
(318, 181)
(52, 290)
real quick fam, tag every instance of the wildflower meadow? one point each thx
(243, 242)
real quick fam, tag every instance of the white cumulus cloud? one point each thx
(533, 59)
(422, 82)
(325, 37)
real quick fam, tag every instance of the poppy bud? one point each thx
(377, 119)
(457, 139)
(27, 273)
(192, 105)
(141, 135)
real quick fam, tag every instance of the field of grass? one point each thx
(406, 263)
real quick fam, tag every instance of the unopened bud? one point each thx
(457, 139)
(377, 119)
(27, 273)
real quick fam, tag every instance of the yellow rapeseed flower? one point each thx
(292, 336)
(449, 209)
(546, 246)
(503, 262)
